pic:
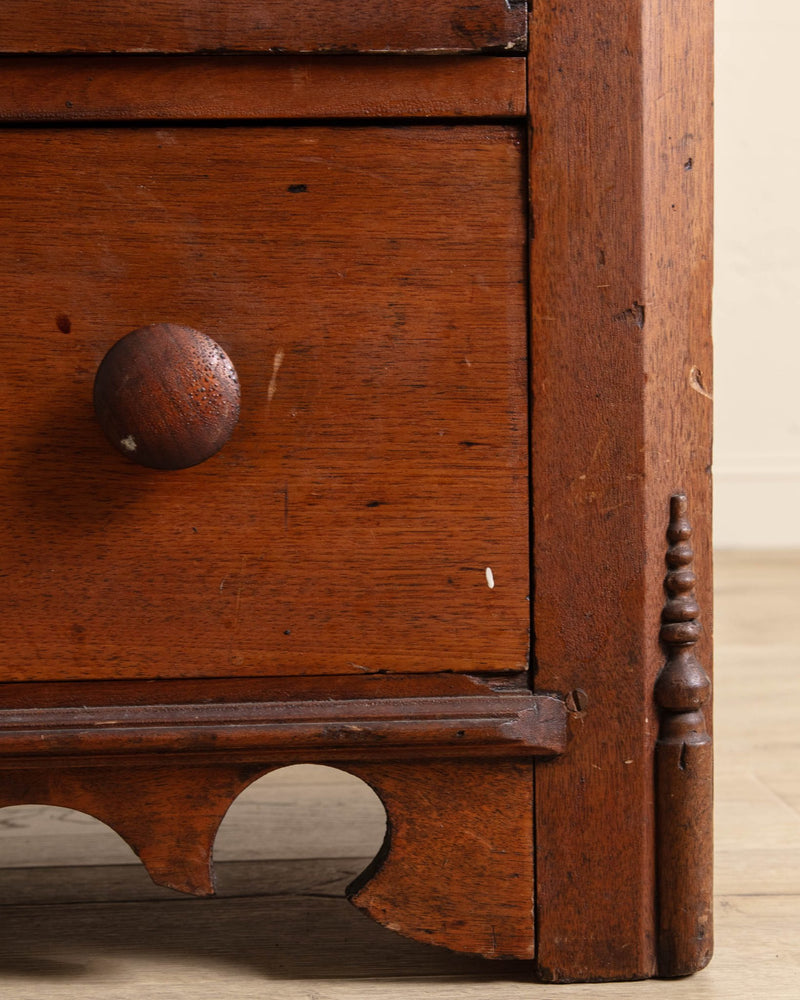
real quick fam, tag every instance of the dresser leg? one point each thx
(456, 868)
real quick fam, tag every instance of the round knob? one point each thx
(166, 396)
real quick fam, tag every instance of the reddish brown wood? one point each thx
(374, 304)
(167, 813)
(261, 26)
(456, 869)
(508, 725)
(166, 396)
(105, 88)
(372, 511)
(678, 169)
(458, 832)
(222, 691)
(684, 769)
(620, 108)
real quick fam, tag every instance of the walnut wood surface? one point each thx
(105, 88)
(456, 868)
(377, 279)
(261, 25)
(279, 934)
(458, 832)
(227, 690)
(168, 814)
(509, 725)
(375, 306)
(620, 98)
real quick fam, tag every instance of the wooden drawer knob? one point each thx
(167, 396)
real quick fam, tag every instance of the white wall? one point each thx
(757, 285)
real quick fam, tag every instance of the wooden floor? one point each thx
(79, 918)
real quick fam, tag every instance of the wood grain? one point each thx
(620, 286)
(228, 690)
(373, 305)
(684, 768)
(457, 831)
(521, 725)
(166, 397)
(167, 814)
(261, 26)
(456, 868)
(310, 942)
(371, 513)
(108, 88)
(677, 160)
(278, 816)
(79, 923)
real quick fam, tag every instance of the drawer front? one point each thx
(370, 512)
(261, 26)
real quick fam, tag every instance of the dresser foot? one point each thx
(456, 868)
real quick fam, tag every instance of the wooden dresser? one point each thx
(355, 401)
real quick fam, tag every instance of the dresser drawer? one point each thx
(262, 26)
(370, 512)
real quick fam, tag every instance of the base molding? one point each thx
(508, 725)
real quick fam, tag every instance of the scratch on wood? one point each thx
(240, 584)
(277, 361)
(696, 382)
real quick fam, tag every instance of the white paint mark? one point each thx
(277, 361)
(129, 443)
(490, 577)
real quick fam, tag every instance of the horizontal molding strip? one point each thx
(518, 725)
(336, 26)
(104, 88)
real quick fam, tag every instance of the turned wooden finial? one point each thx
(683, 685)
(683, 767)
